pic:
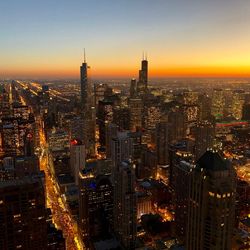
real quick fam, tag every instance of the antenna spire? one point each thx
(84, 56)
(142, 55)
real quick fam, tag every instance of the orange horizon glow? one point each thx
(174, 72)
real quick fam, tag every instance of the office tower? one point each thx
(152, 116)
(122, 117)
(228, 104)
(125, 210)
(204, 107)
(136, 111)
(178, 151)
(111, 132)
(142, 85)
(237, 104)
(95, 206)
(177, 126)
(99, 92)
(211, 204)
(22, 214)
(77, 158)
(76, 125)
(204, 137)
(121, 148)
(87, 110)
(218, 103)
(10, 136)
(90, 131)
(84, 84)
(148, 163)
(182, 167)
(105, 115)
(162, 142)
(133, 88)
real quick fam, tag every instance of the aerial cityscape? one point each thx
(125, 125)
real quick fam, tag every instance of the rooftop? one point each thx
(212, 160)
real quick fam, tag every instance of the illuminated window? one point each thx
(211, 194)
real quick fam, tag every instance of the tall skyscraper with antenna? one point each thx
(143, 75)
(87, 109)
(84, 83)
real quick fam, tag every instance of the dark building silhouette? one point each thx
(142, 85)
(95, 206)
(22, 215)
(211, 204)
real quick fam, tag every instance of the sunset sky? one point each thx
(183, 38)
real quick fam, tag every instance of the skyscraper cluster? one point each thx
(113, 165)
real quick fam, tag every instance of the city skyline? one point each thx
(195, 40)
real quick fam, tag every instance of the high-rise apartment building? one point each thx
(125, 210)
(211, 204)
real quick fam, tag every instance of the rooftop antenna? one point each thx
(84, 56)
(142, 55)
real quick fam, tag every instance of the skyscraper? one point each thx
(136, 112)
(162, 143)
(182, 168)
(204, 137)
(87, 109)
(84, 83)
(177, 126)
(125, 210)
(211, 204)
(121, 148)
(77, 158)
(22, 214)
(95, 205)
(142, 85)
(133, 88)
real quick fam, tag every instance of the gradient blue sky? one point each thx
(182, 37)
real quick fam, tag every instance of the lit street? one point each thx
(60, 213)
